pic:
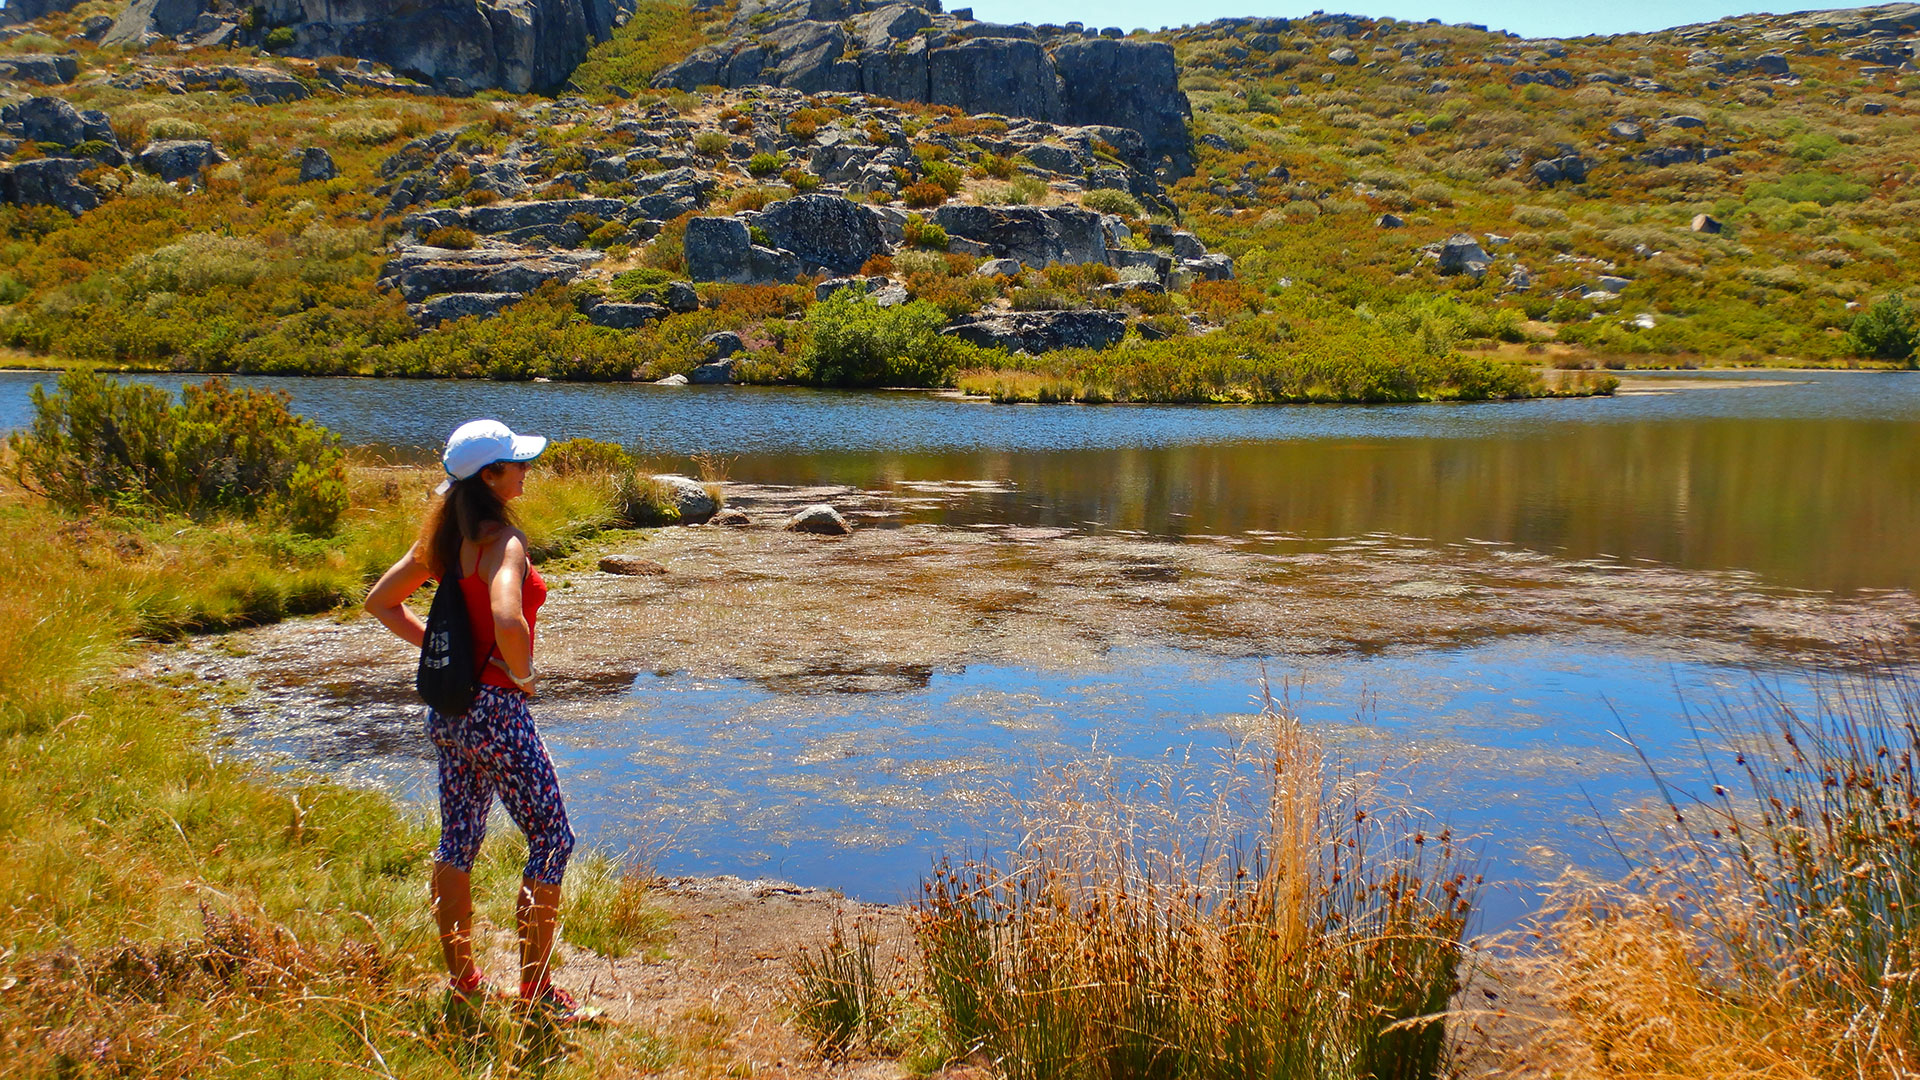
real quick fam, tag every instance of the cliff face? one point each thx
(913, 52)
(512, 44)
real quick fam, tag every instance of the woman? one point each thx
(469, 538)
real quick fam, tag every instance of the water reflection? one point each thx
(1810, 504)
(1807, 480)
(1517, 741)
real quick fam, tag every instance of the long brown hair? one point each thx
(463, 513)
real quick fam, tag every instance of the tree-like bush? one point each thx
(97, 441)
(1888, 330)
(852, 341)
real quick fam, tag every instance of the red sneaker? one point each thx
(557, 1006)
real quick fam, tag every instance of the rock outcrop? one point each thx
(29, 67)
(517, 45)
(910, 52)
(1043, 331)
(48, 182)
(23, 11)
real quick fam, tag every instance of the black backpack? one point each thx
(447, 680)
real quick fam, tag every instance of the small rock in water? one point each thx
(631, 566)
(671, 380)
(732, 516)
(821, 519)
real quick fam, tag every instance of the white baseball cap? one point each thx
(477, 444)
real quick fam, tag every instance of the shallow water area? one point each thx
(1470, 601)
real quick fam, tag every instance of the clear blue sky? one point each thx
(1530, 19)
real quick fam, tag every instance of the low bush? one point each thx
(166, 128)
(766, 164)
(994, 166)
(1043, 298)
(711, 144)
(1824, 188)
(949, 177)
(96, 441)
(365, 130)
(645, 285)
(449, 236)
(924, 194)
(918, 232)
(1111, 201)
(571, 457)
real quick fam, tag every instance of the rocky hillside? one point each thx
(321, 188)
(1735, 190)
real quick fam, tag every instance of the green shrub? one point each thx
(365, 130)
(800, 180)
(1824, 188)
(1041, 298)
(711, 144)
(995, 166)
(96, 441)
(166, 128)
(921, 263)
(452, 237)
(766, 164)
(1540, 217)
(1023, 191)
(604, 237)
(949, 177)
(852, 341)
(920, 233)
(1110, 201)
(645, 285)
(1886, 331)
(280, 37)
(574, 456)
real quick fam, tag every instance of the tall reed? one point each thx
(1274, 927)
(1771, 926)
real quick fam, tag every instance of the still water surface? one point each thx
(1810, 479)
(1808, 482)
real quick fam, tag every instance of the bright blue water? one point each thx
(1810, 485)
(670, 421)
(1521, 743)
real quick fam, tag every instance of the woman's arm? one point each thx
(387, 600)
(511, 634)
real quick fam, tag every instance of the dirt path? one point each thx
(717, 989)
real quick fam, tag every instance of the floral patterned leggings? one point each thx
(493, 748)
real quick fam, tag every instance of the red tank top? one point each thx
(533, 593)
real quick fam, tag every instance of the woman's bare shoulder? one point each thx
(498, 540)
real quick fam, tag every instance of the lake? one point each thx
(1779, 497)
